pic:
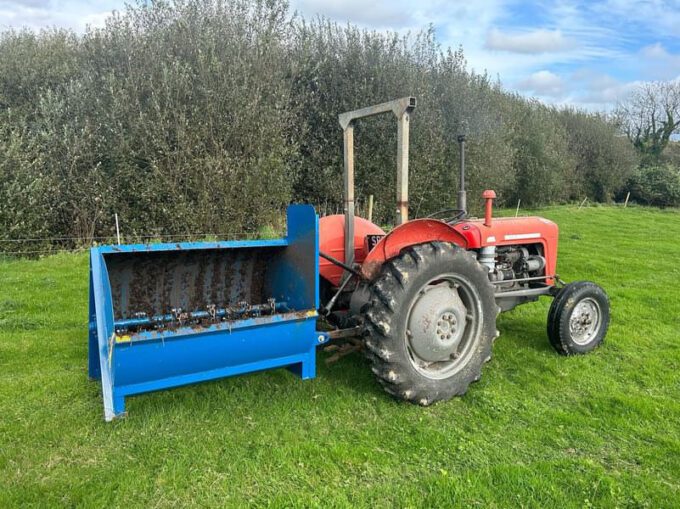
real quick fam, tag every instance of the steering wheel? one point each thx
(444, 215)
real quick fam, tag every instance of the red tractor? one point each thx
(424, 297)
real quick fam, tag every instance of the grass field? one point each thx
(538, 430)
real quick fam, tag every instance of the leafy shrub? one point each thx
(542, 163)
(656, 185)
(604, 159)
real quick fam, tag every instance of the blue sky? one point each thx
(587, 54)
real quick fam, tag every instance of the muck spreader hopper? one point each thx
(421, 301)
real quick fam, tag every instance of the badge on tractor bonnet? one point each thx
(372, 241)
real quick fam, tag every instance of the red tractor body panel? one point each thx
(514, 231)
(332, 242)
(469, 234)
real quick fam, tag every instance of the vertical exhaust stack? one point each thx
(462, 194)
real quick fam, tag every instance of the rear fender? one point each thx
(408, 234)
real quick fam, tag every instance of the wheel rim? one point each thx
(443, 324)
(585, 320)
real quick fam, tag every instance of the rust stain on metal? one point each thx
(371, 269)
(146, 284)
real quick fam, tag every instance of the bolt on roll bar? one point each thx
(402, 109)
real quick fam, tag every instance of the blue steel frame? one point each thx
(155, 360)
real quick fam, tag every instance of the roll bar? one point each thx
(402, 109)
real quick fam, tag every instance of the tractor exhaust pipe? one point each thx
(462, 194)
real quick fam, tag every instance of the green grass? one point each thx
(538, 430)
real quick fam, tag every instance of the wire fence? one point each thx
(43, 246)
(33, 247)
(37, 246)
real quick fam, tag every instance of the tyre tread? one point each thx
(388, 292)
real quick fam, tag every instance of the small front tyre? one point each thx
(578, 318)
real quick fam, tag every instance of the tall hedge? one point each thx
(210, 115)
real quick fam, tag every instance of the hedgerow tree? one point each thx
(603, 159)
(656, 185)
(649, 116)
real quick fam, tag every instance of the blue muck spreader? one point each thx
(165, 315)
(420, 301)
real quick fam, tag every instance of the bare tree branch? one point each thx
(650, 116)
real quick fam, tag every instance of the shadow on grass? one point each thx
(252, 392)
(525, 328)
(352, 371)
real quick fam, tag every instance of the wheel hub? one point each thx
(437, 323)
(584, 322)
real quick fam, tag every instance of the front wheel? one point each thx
(431, 321)
(578, 318)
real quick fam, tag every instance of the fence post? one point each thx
(117, 229)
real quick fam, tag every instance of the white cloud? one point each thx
(25, 3)
(376, 14)
(543, 83)
(599, 90)
(73, 14)
(533, 41)
(658, 63)
(565, 36)
(95, 19)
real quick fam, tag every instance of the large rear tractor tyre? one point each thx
(578, 318)
(431, 322)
